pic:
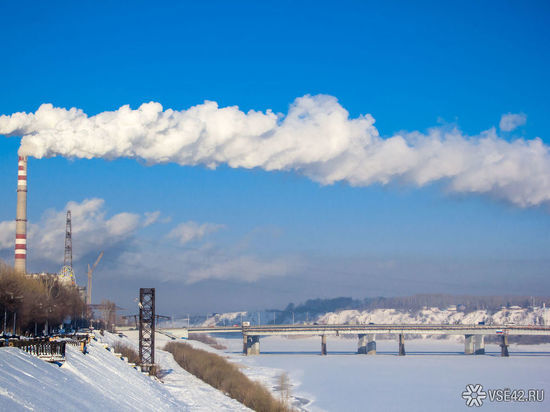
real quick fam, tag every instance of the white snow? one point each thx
(431, 377)
(183, 386)
(102, 381)
(96, 381)
(519, 316)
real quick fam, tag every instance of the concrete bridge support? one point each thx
(479, 345)
(362, 344)
(371, 344)
(245, 339)
(367, 344)
(323, 345)
(468, 344)
(252, 345)
(401, 344)
(504, 346)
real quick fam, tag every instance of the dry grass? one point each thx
(133, 357)
(209, 340)
(127, 351)
(226, 377)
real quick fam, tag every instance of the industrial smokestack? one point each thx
(21, 218)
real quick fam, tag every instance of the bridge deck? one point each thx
(365, 329)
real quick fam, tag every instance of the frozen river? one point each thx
(432, 377)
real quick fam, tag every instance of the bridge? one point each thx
(474, 335)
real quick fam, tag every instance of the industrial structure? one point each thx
(90, 272)
(146, 328)
(21, 217)
(67, 271)
(20, 262)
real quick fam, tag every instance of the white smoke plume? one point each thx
(316, 138)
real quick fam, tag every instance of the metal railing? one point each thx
(49, 349)
(41, 347)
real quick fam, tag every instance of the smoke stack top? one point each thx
(316, 138)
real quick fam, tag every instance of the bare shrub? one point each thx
(207, 339)
(127, 351)
(226, 377)
(284, 388)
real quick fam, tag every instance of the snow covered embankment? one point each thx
(95, 381)
(520, 316)
(183, 386)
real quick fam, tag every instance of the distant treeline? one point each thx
(31, 302)
(467, 303)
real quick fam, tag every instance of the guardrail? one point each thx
(43, 348)
(46, 348)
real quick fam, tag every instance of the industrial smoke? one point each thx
(316, 138)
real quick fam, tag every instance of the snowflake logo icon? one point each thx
(474, 395)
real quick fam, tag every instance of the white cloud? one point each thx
(203, 262)
(92, 230)
(511, 121)
(317, 138)
(7, 234)
(190, 231)
(129, 254)
(151, 217)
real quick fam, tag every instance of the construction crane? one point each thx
(90, 271)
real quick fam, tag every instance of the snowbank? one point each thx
(183, 386)
(96, 381)
(437, 316)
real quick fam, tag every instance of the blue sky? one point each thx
(413, 66)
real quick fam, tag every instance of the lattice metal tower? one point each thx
(68, 261)
(146, 328)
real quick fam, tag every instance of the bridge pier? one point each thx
(245, 340)
(468, 344)
(504, 346)
(367, 344)
(323, 344)
(362, 344)
(479, 345)
(401, 344)
(252, 345)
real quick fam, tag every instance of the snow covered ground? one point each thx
(186, 388)
(513, 315)
(431, 377)
(96, 381)
(102, 381)
(519, 316)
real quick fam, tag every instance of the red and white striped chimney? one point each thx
(21, 218)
